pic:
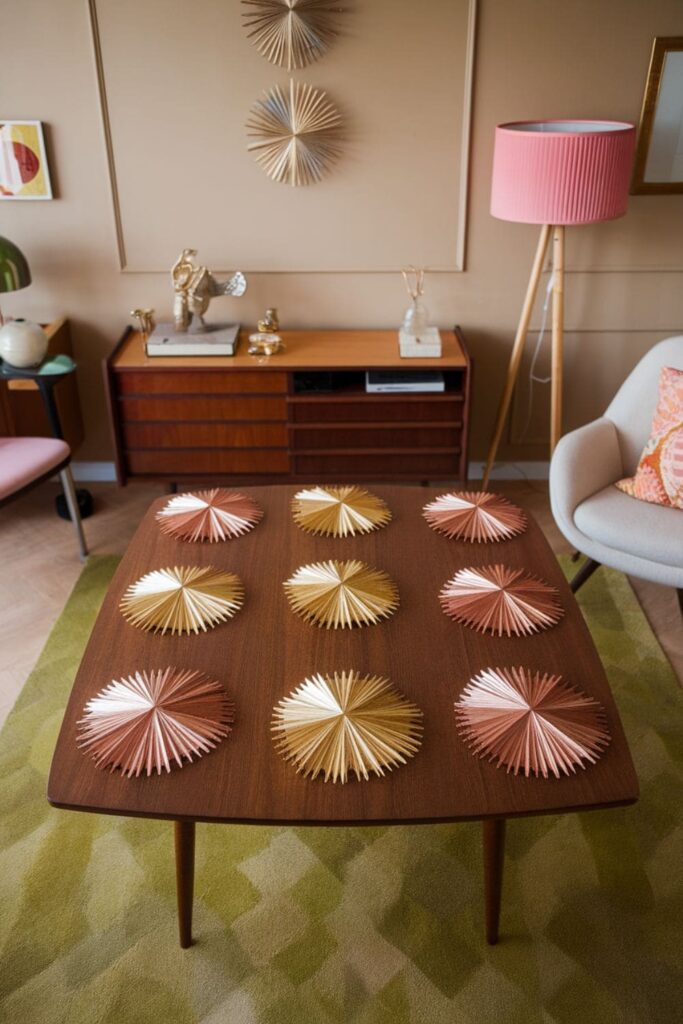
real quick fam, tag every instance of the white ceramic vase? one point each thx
(22, 343)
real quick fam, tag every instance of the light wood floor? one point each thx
(39, 565)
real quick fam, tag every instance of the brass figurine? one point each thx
(145, 319)
(195, 286)
(270, 323)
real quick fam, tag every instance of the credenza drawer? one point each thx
(192, 461)
(207, 407)
(375, 409)
(345, 465)
(204, 435)
(320, 437)
(216, 382)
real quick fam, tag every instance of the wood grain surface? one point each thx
(266, 650)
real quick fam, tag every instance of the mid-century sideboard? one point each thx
(301, 415)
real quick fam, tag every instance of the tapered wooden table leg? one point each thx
(494, 851)
(184, 873)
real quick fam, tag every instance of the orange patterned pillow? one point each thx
(659, 476)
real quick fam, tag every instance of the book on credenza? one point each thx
(378, 381)
(216, 340)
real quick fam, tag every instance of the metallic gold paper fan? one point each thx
(212, 515)
(345, 722)
(531, 722)
(339, 511)
(150, 719)
(475, 516)
(182, 600)
(342, 594)
(291, 33)
(501, 600)
(296, 132)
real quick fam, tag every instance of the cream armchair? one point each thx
(602, 522)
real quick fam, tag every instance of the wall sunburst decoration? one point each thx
(182, 600)
(337, 724)
(342, 594)
(297, 133)
(531, 722)
(291, 33)
(145, 722)
(500, 600)
(475, 516)
(212, 515)
(339, 511)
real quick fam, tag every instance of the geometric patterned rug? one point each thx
(355, 926)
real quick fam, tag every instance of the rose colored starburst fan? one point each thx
(337, 724)
(212, 515)
(531, 722)
(149, 720)
(184, 599)
(342, 594)
(475, 516)
(501, 601)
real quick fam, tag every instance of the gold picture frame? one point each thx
(658, 167)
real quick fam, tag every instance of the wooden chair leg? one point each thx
(584, 573)
(494, 853)
(184, 868)
(72, 505)
(680, 598)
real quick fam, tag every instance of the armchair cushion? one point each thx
(659, 476)
(651, 532)
(25, 459)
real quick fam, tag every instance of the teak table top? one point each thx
(267, 650)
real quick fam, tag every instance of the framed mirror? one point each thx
(658, 167)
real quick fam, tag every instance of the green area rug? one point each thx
(300, 926)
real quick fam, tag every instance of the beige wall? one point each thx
(534, 58)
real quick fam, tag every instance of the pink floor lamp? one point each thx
(555, 173)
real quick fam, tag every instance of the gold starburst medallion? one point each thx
(342, 594)
(339, 511)
(345, 722)
(182, 600)
(291, 33)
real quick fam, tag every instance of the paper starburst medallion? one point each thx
(296, 133)
(212, 515)
(182, 600)
(291, 33)
(342, 594)
(501, 601)
(148, 720)
(341, 723)
(339, 511)
(531, 722)
(475, 516)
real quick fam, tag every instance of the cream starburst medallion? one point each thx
(339, 511)
(213, 515)
(149, 720)
(500, 600)
(340, 595)
(296, 133)
(182, 600)
(291, 33)
(341, 723)
(475, 516)
(531, 722)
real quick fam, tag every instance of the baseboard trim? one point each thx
(93, 471)
(511, 471)
(106, 471)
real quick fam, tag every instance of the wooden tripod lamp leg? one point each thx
(494, 854)
(558, 338)
(517, 349)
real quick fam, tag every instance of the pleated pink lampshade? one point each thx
(562, 172)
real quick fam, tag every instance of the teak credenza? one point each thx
(302, 415)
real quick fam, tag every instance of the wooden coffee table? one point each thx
(266, 650)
